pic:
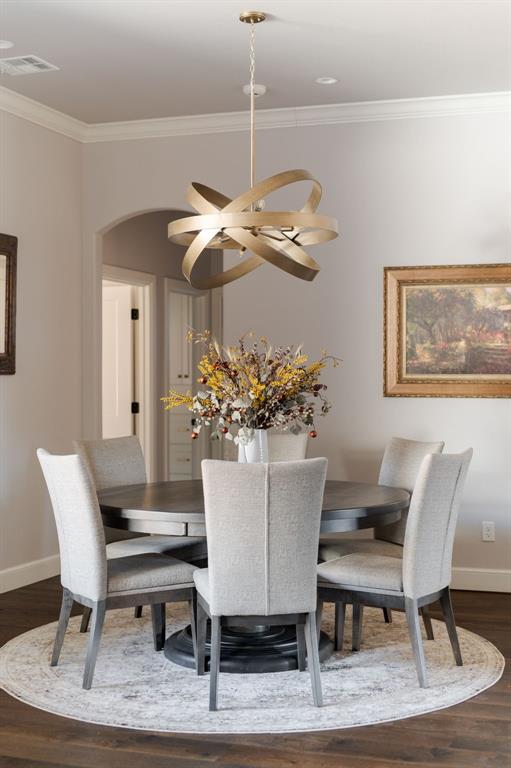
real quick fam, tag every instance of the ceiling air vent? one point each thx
(25, 65)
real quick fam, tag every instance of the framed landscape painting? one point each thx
(447, 331)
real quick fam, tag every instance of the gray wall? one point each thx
(432, 190)
(40, 406)
(406, 192)
(410, 191)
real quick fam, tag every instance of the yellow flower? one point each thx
(175, 399)
(256, 390)
(315, 368)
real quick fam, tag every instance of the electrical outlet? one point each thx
(488, 530)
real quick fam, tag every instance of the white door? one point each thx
(118, 373)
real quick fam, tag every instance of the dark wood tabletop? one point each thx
(177, 507)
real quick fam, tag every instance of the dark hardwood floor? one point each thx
(475, 734)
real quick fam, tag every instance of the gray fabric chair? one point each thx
(269, 515)
(399, 468)
(423, 575)
(119, 461)
(91, 580)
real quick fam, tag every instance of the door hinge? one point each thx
(135, 315)
(135, 407)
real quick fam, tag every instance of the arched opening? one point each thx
(146, 309)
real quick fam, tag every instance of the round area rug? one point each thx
(134, 687)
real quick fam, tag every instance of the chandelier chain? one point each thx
(252, 55)
(252, 105)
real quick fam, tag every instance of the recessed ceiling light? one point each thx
(6, 44)
(326, 80)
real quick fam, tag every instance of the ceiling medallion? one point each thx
(244, 224)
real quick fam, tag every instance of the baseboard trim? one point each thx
(28, 573)
(481, 579)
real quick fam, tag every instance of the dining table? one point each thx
(176, 508)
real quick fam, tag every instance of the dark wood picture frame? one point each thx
(9, 249)
(397, 383)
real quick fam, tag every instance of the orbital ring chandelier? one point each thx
(243, 224)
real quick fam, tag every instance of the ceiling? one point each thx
(137, 59)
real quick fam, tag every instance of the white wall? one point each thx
(433, 191)
(411, 191)
(41, 404)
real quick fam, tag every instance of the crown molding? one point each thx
(329, 114)
(229, 122)
(35, 112)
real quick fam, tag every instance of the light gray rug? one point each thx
(134, 687)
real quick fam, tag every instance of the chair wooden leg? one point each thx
(193, 624)
(138, 612)
(158, 620)
(358, 615)
(311, 640)
(301, 647)
(84, 625)
(387, 615)
(65, 613)
(214, 664)
(319, 617)
(450, 623)
(414, 629)
(202, 625)
(340, 618)
(98, 618)
(426, 620)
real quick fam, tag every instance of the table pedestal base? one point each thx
(264, 649)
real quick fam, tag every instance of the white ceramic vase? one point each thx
(256, 451)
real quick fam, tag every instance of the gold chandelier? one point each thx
(243, 224)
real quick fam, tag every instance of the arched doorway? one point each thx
(146, 309)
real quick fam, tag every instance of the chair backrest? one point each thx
(112, 462)
(79, 526)
(399, 468)
(432, 517)
(284, 446)
(262, 526)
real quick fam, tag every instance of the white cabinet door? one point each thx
(180, 352)
(180, 376)
(180, 428)
(185, 309)
(117, 361)
(181, 462)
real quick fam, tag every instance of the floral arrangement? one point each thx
(254, 386)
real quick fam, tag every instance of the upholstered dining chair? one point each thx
(270, 516)
(399, 468)
(88, 578)
(116, 462)
(423, 574)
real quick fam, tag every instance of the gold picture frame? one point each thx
(447, 331)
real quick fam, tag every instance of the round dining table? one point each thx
(176, 508)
